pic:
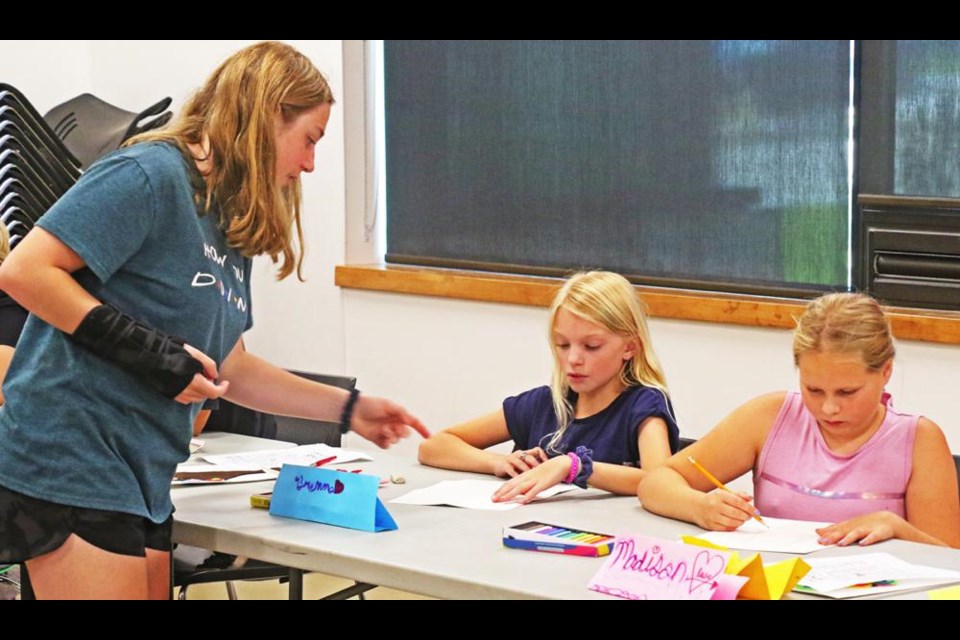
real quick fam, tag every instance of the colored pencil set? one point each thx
(551, 538)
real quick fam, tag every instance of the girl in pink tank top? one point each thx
(836, 451)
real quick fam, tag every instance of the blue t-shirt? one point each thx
(611, 433)
(77, 429)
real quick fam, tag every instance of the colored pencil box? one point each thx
(551, 538)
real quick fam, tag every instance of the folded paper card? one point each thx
(331, 497)
(645, 568)
(764, 581)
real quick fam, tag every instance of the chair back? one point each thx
(90, 127)
(303, 431)
(233, 418)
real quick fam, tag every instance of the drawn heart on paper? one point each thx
(705, 568)
(338, 487)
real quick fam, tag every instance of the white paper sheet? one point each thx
(305, 455)
(835, 576)
(471, 494)
(782, 536)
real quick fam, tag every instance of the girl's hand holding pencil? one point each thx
(724, 509)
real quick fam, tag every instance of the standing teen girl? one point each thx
(155, 241)
(606, 412)
(836, 451)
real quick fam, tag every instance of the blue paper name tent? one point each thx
(331, 497)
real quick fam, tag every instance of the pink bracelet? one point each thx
(574, 468)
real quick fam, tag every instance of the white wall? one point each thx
(447, 360)
(46, 72)
(450, 360)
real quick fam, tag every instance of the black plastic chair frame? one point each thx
(91, 127)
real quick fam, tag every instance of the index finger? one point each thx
(740, 501)
(414, 423)
(504, 488)
(508, 490)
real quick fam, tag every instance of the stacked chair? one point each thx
(35, 166)
(43, 156)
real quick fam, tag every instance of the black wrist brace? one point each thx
(155, 357)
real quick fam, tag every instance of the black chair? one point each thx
(686, 442)
(35, 168)
(15, 108)
(90, 127)
(41, 157)
(226, 568)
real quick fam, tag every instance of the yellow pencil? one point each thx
(720, 485)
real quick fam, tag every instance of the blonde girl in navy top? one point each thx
(606, 411)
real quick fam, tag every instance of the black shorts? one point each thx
(30, 527)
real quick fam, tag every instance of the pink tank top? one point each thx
(798, 477)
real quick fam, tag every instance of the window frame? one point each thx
(366, 270)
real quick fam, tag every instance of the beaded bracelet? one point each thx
(574, 468)
(585, 456)
(348, 410)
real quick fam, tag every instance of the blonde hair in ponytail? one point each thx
(845, 323)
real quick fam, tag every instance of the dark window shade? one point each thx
(715, 164)
(911, 118)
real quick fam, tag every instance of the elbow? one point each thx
(645, 486)
(425, 451)
(640, 484)
(6, 281)
(640, 487)
(433, 451)
(13, 279)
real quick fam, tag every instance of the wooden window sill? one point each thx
(924, 325)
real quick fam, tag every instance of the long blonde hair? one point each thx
(235, 110)
(609, 300)
(845, 323)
